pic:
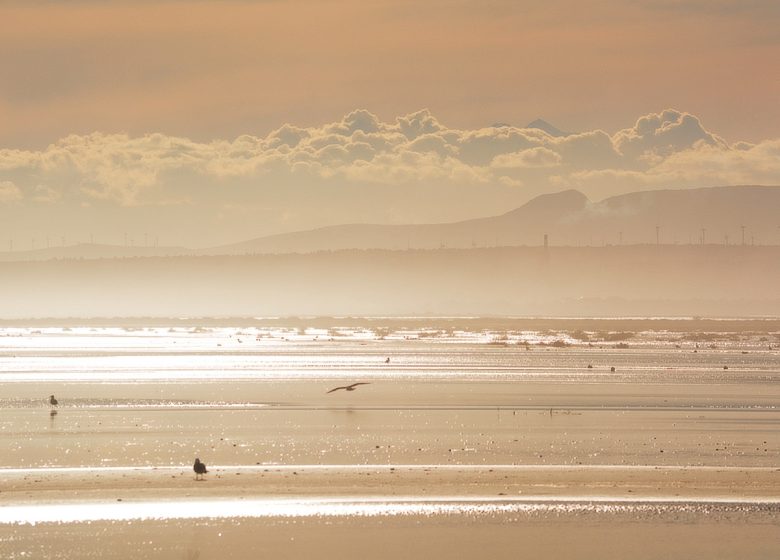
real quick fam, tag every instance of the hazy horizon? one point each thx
(223, 126)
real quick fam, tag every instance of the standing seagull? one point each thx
(348, 387)
(200, 469)
(52, 400)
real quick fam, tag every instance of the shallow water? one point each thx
(157, 396)
(111, 354)
(430, 531)
(762, 510)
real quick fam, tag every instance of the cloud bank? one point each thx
(361, 168)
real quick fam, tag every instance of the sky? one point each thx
(205, 122)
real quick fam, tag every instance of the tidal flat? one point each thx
(568, 441)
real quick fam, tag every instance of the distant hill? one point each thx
(547, 127)
(714, 215)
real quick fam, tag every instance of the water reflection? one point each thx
(378, 507)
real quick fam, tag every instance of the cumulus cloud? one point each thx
(360, 120)
(663, 134)
(416, 124)
(666, 149)
(757, 164)
(532, 157)
(288, 135)
(480, 147)
(589, 150)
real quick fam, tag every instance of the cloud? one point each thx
(705, 164)
(532, 157)
(437, 143)
(361, 119)
(288, 135)
(9, 192)
(480, 147)
(666, 149)
(662, 134)
(589, 150)
(416, 124)
(44, 194)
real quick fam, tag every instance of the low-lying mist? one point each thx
(704, 280)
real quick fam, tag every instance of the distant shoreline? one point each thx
(688, 281)
(81, 252)
(672, 324)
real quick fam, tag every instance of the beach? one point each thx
(601, 444)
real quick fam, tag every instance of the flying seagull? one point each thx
(52, 400)
(199, 468)
(348, 387)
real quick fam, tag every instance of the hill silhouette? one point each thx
(550, 129)
(686, 216)
(711, 215)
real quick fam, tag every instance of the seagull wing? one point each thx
(361, 383)
(348, 387)
(335, 389)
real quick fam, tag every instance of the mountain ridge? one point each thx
(567, 218)
(694, 216)
(550, 129)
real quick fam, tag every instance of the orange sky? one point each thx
(220, 69)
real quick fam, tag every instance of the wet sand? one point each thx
(389, 481)
(531, 451)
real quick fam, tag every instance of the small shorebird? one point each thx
(387, 360)
(52, 400)
(200, 469)
(348, 387)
